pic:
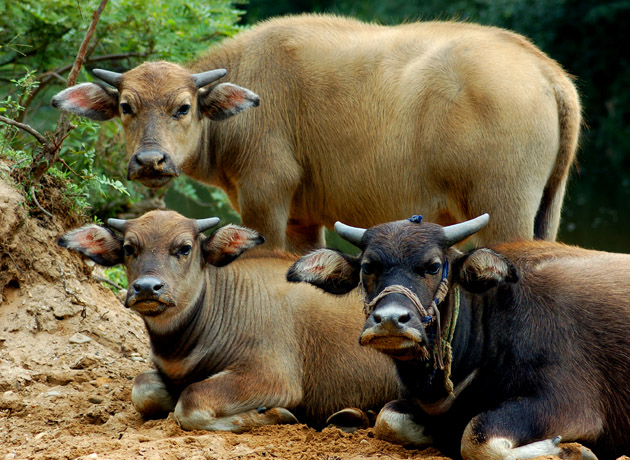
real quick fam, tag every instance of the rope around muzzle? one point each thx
(430, 316)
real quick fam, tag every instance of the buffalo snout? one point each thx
(152, 168)
(394, 329)
(149, 296)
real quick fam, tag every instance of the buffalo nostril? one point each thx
(151, 158)
(377, 318)
(148, 286)
(402, 319)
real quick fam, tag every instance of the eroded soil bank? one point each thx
(69, 351)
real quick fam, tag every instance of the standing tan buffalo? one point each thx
(357, 122)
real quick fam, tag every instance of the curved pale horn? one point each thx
(459, 232)
(113, 78)
(205, 224)
(351, 234)
(117, 224)
(205, 78)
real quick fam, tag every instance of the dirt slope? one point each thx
(69, 351)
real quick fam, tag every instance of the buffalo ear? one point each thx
(484, 269)
(332, 271)
(97, 243)
(90, 100)
(229, 242)
(225, 100)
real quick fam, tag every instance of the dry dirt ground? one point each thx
(69, 351)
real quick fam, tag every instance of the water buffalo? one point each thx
(528, 346)
(234, 345)
(359, 122)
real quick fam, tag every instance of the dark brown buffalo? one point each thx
(234, 345)
(359, 122)
(532, 343)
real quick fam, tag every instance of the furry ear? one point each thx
(332, 271)
(229, 242)
(226, 100)
(484, 269)
(90, 100)
(97, 243)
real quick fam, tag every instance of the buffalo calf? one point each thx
(234, 345)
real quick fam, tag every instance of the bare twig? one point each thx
(72, 170)
(78, 63)
(68, 291)
(108, 281)
(37, 202)
(29, 129)
(14, 263)
(47, 77)
(50, 151)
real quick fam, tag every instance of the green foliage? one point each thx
(46, 35)
(45, 38)
(116, 275)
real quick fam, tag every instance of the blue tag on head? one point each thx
(416, 219)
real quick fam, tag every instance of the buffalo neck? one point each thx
(207, 339)
(213, 159)
(422, 377)
(181, 340)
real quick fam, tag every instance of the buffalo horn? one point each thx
(205, 224)
(351, 234)
(459, 232)
(116, 224)
(205, 78)
(113, 78)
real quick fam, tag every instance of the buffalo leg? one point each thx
(302, 238)
(150, 396)
(229, 401)
(396, 423)
(264, 198)
(522, 429)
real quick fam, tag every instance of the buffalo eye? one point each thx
(369, 268)
(434, 268)
(125, 108)
(128, 250)
(184, 250)
(183, 110)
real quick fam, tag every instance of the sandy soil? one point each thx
(69, 351)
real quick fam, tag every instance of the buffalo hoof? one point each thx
(349, 420)
(279, 416)
(395, 424)
(574, 451)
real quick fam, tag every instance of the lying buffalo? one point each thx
(234, 345)
(359, 122)
(528, 345)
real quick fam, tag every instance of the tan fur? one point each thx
(366, 123)
(258, 341)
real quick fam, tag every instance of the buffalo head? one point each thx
(163, 108)
(164, 255)
(400, 270)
